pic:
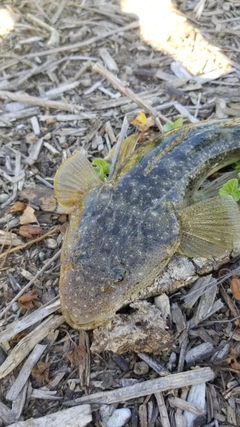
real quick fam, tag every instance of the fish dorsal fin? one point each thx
(121, 152)
(74, 179)
(210, 227)
(128, 147)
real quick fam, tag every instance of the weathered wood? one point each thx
(174, 381)
(24, 346)
(78, 416)
(25, 372)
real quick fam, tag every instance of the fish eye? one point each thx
(118, 273)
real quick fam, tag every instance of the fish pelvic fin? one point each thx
(74, 179)
(210, 227)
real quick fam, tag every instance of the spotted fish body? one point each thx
(123, 232)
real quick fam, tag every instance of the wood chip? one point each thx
(25, 372)
(174, 381)
(24, 346)
(79, 416)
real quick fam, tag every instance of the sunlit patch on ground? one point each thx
(6, 22)
(165, 28)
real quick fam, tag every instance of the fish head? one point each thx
(115, 245)
(109, 254)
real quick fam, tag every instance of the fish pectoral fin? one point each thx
(74, 179)
(210, 227)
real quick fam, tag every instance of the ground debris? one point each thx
(56, 97)
(143, 331)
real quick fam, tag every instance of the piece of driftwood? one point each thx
(10, 415)
(24, 346)
(6, 414)
(84, 364)
(25, 372)
(197, 397)
(15, 327)
(45, 394)
(162, 410)
(108, 59)
(40, 102)
(7, 118)
(183, 379)
(79, 416)
(199, 352)
(177, 402)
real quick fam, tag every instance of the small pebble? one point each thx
(41, 255)
(119, 417)
(15, 307)
(106, 411)
(3, 197)
(141, 368)
(51, 243)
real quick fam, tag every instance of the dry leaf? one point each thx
(40, 372)
(143, 123)
(76, 356)
(140, 121)
(62, 218)
(232, 359)
(63, 228)
(25, 301)
(50, 121)
(235, 287)
(18, 207)
(28, 216)
(30, 231)
(235, 365)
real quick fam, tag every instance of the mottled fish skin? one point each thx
(127, 230)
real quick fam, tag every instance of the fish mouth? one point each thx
(86, 322)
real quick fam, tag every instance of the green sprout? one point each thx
(102, 168)
(236, 166)
(173, 125)
(231, 187)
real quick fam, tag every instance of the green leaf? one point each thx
(101, 167)
(236, 165)
(178, 123)
(173, 125)
(231, 188)
(168, 126)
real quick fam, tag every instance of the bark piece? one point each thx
(142, 331)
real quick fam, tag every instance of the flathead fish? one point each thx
(123, 232)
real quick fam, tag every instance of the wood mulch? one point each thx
(74, 75)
